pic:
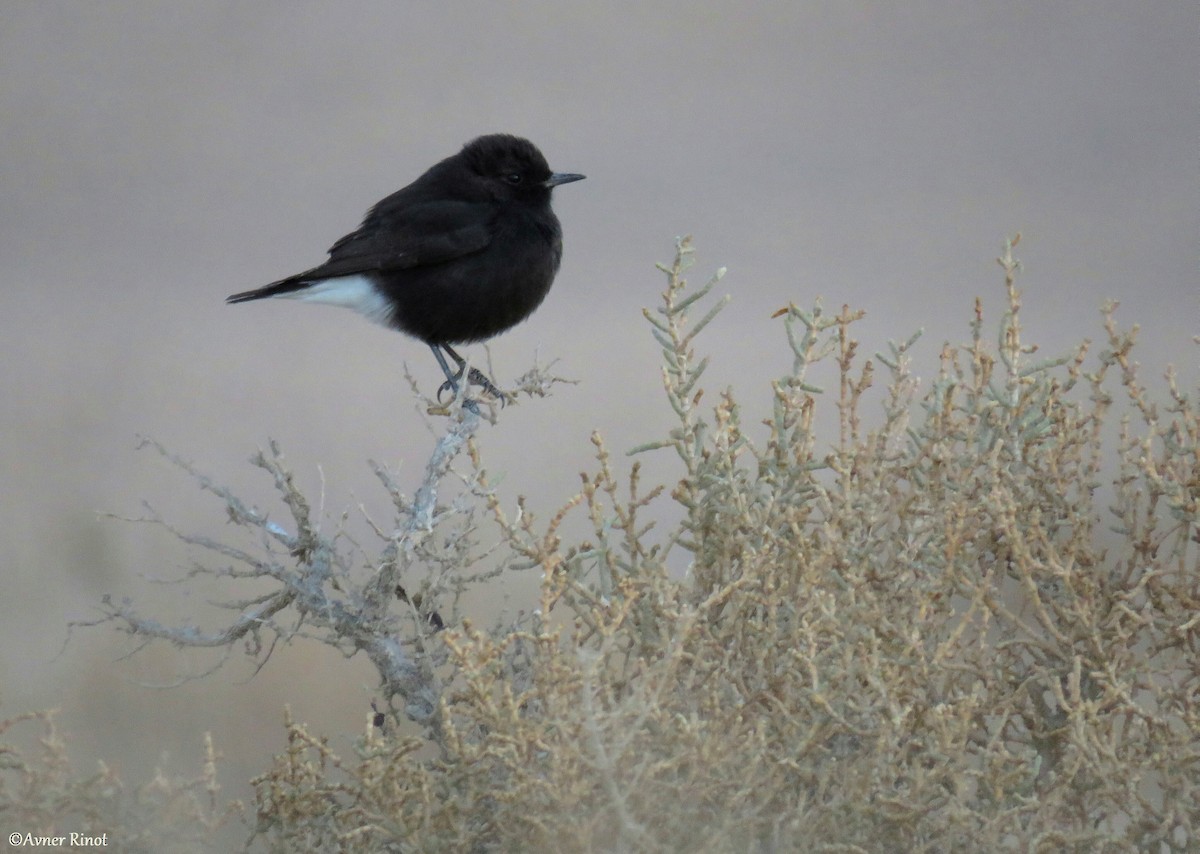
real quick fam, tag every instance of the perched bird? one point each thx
(463, 253)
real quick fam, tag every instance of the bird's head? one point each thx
(513, 168)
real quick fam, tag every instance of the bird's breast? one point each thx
(476, 296)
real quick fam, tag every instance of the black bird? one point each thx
(463, 253)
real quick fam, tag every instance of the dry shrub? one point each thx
(44, 801)
(932, 638)
(914, 643)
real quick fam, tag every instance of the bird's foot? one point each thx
(474, 377)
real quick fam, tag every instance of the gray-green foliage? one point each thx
(923, 634)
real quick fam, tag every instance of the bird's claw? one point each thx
(474, 377)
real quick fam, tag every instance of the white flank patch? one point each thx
(354, 292)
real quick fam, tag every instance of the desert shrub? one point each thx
(47, 804)
(968, 623)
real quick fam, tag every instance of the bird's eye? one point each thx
(513, 178)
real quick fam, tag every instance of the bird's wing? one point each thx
(403, 236)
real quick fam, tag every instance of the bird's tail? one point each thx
(275, 289)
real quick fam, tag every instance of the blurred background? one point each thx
(154, 160)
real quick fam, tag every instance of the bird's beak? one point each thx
(561, 178)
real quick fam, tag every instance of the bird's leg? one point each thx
(451, 382)
(474, 377)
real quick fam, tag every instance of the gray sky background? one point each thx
(156, 157)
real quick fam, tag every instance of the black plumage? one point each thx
(464, 252)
